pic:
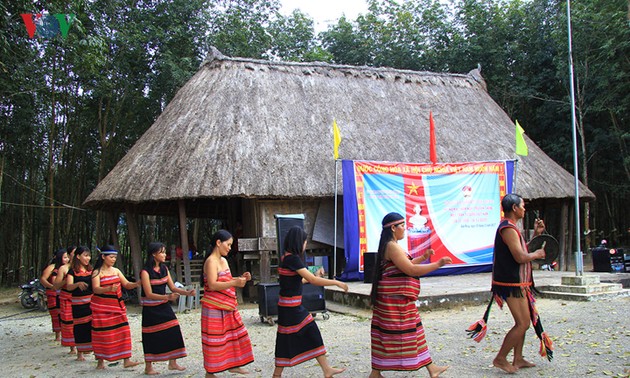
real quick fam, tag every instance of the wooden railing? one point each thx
(196, 266)
(262, 250)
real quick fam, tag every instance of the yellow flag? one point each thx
(337, 140)
(521, 146)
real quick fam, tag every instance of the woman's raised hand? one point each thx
(173, 297)
(342, 285)
(240, 281)
(445, 260)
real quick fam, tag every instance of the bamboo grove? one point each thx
(72, 103)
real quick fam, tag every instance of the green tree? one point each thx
(239, 28)
(293, 37)
(601, 54)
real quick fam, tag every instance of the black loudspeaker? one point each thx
(601, 259)
(313, 299)
(268, 299)
(369, 261)
(283, 224)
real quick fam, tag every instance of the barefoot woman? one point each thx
(298, 338)
(397, 334)
(224, 339)
(79, 283)
(161, 335)
(111, 336)
(52, 295)
(65, 303)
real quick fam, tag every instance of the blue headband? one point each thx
(109, 252)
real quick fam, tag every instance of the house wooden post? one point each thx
(183, 234)
(134, 242)
(564, 236)
(570, 254)
(265, 266)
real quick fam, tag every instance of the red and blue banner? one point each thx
(452, 208)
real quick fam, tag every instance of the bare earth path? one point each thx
(592, 339)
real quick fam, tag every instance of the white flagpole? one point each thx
(579, 264)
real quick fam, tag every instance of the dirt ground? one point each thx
(592, 339)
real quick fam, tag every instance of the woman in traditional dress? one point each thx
(397, 334)
(224, 338)
(111, 336)
(161, 336)
(298, 339)
(52, 295)
(65, 303)
(79, 283)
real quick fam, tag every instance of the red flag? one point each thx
(433, 152)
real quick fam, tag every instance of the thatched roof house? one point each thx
(259, 130)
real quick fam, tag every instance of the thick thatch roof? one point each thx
(252, 128)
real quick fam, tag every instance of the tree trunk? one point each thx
(151, 221)
(112, 223)
(102, 131)
(1, 174)
(583, 158)
(51, 164)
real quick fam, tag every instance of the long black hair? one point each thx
(221, 235)
(76, 263)
(58, 259)
(294, 242)
(71, 249)
(99, 260)
(153, 247)
(387, 235)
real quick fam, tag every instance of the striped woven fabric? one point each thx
(161, 335)
(288, 330)
(52, 300)
(223, 299)
(224, 338)
(81, 312)
(155, 283)
(65, 314)
(287, 272)
(290, 301)
(298, 338)
(301, 357)
(397, 335)
(111, 336)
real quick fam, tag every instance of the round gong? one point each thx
(551, 246)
